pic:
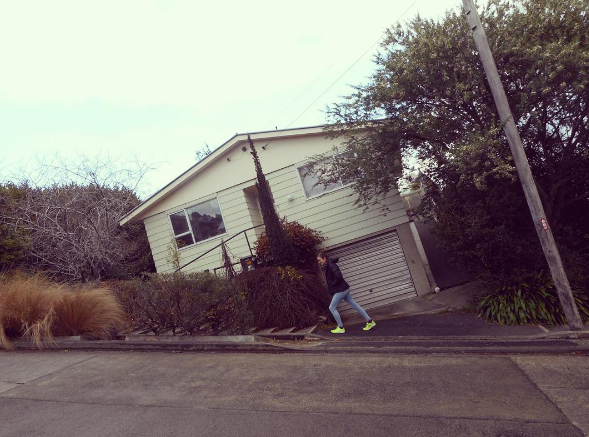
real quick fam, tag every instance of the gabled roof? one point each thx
(213, 157)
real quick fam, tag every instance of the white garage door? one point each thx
(376, 270)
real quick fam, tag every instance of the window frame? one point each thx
(190, 231)
(342, 186)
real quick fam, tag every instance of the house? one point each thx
(216, 199)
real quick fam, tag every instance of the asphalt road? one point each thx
(88, 394)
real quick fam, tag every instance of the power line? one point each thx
(305, 90)
(334, 82)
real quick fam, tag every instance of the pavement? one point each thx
(104, 394)
(460, 298)
(457, 324)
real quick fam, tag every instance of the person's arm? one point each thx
(336, 275)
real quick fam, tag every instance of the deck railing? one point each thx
(244, 232)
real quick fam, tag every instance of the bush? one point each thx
(37, 308)
(533, 300)
(195, 303)
(95, 313)
(303, 239)
(284, 297)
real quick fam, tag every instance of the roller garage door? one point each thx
(376, 270)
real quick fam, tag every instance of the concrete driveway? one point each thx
(86, 394)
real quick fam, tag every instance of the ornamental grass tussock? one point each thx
(36, 308)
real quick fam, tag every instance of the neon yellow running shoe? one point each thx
(338, 330)
(369, 325)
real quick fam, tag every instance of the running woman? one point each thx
(340, 290)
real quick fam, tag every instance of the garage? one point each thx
(376, 270)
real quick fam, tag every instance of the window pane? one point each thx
(179, 223)
(206, 220)
(184, 240)
(309, 178)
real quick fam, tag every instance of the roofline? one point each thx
(235, 139)
(282, 130)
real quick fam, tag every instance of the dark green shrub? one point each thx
(195, 303)
(284, 297)
(533, 299)
(304, 241)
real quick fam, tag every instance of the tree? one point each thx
(428, 103)
(73, 223)
(281, 250)
(14, 241)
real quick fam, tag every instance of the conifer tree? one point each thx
(281, 250)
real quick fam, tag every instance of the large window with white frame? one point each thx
(310, 179)
(197, 223)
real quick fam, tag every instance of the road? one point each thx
(88, 394)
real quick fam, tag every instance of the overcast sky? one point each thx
(160, 78)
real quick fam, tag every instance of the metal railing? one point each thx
(244, 232)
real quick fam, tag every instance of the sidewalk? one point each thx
(453, 333)
(447, 324)
(449, 313)
(457, 298)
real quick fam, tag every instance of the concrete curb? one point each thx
(444, 350)
(570, 335)
(566, 334)
(194, 344)
(317, 344)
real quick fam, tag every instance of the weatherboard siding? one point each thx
(334, 214)
(236, 216)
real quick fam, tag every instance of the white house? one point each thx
(217, 199)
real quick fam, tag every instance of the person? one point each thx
(339, 288)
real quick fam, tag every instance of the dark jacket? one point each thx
(335, 280)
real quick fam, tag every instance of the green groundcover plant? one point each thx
(531, 300)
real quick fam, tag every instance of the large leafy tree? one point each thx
(428, 103)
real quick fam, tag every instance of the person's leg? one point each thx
(357, 307)
(335, 301)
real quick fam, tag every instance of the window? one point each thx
(309, 180)
(197, 223)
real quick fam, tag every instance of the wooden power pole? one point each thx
(523, 169)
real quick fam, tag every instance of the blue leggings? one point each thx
(347, 296)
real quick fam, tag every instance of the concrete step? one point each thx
(307, 330)
(284, 331)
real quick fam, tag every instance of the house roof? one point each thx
(214, 156)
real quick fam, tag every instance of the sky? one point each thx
(156, 80)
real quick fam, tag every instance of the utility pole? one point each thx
(523, 169)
